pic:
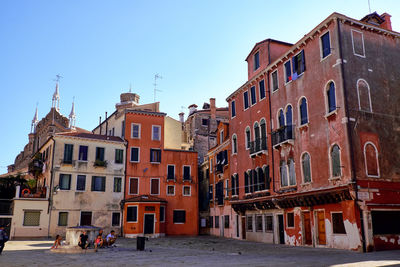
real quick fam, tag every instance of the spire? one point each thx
(35, 120)
(72, 115)
(56, 96)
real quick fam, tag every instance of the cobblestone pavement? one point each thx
(189, 251)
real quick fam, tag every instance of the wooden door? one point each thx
(281, 229)
(243, 227)
(149, 224)
(321, 228)
(307, 228)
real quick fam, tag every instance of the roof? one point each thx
(145, 198)
(264, 41)
(373, 16)
(146, 112)
(91, 136)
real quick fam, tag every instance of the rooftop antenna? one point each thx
(130, 88)
(58, 77)
(369, 7)
(157, 76)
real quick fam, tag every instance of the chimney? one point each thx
(192, 109)
(181, 117)
(212, 108)
(387, 24)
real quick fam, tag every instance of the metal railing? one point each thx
(259, 144)
(282, 135)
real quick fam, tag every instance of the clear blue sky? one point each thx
(101, 47)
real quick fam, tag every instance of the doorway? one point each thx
(149, 224)
(307, 228)
(281, 229)
(321, 227)
(243, 227)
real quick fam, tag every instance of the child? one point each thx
(98, 243)
(57, 242)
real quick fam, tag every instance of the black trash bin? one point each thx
(140, 241)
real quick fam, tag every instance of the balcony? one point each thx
(39, 192)
(100, 163)
(35, 167)
(171, 177)
(282, 136)
(258, 145)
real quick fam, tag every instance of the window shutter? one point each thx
(303, 61)
(246, 182)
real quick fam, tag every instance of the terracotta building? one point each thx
(331, 175)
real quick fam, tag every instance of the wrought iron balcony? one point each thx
(258, 145)
(283, 135)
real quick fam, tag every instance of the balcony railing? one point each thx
(187, 178)
(100, 163)
(258, 145)
(36, 193)
(283, 135)
(171, 177)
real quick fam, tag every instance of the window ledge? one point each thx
(303, 126)
(335, 178)
(323, 58)
(327, 115)
(155, 162)
(306, 184)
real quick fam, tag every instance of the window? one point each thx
(99, 183)
(131, 214)
(86, 218)
(155, 155)
(335, 161)
(211, 221)
(65, 181)
(246, 100)
(249, 223)
(171, 172)
(269, 226)
(292, 172)
(154, 186)
(211, 165)
(331, 97)
(358, 43)
(119, 156)
(299, 64)
(261, 87)
(288, 72)
(256, 129)
(100, 153)
(186, 190)
(216, 219)
(68, 149)
(259, 223)
(80, 182)
(290, 219)
(83, 152)
(115, 219)
(62, 218)
(135, 130)
(135, 156)
(266, 177)
(226, 188)
(31, 218)
(233, 109)
(221, 136)
(325, 45)
(303, 111)
(263, 130)
(274, 80)
(234, 144)
(253, 95)
(162, 214)
(235, 184)
(210, 192)
(179, 216)
(371, 159)
(117, 184)
(156, 133)
(186, 173)
(133, 186)
(248, 137)
(261, 180)
(283, 173)
(364, 96)
(170, 190)
(226, 221)
(219, 192)
(385, 222)
(306, 165)
(246, 183)
(256, 60)
(281, 119)
(337, 223)
(204, 122)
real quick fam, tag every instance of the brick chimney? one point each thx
(212, 108)
(181, 117)
(387, 24)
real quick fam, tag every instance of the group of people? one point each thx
(99, 242)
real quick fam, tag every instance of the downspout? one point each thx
(51, 185)
(350, 147)
(270, 119)
(125, 178)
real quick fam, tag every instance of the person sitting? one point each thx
(83, 240)
(111, 237)
(57, 242)
(99, 242)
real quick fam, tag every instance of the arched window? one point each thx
(364, 95)
(263, 130)
(248, 137)
(281, 119)
(331, 96)
(306, 166)
(257, 136)
(292, 172)
(234, 144)
(289, 122)
(266, 177)
(371, 160)
(335, 161)
(283, 173)
(254, 175)
(303, 111)
(261, 179)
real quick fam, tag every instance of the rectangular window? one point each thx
(186, 173)
(31, 218)
(358, 43)
(226, 221)
(253, 95)
(171, 172)
(119, 156)
(299, 64)
(135, 133)
(204, 122)
(156, 133)
(226, 188)
(86, 218)
(246, 100)
(65, 181)
(211, 221)
(325, 45)
(162, 214)
(68, 149)
(83, 152)
(249, 223)
(131, 214)
(186, 190)
(100, 153)
(216, 221)
(211, 165)
(233, 108)
(133, 186)
(256, 60)
(155, 155)
(80, 183)
(62, 218)
(117, 184)
(288, 72)
(99, 183)
(135, 156)
(337, 223)
(290, 219)
(170, 190)
(269, 223)
(221, 136)
(261, 87)
(259, 223)
(274, 80)
(115, 220)
(154, 186)
(210, 192)
(179, 216)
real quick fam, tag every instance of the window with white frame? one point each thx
(234, 144)
(357, 38)
(99, 183)
(156, 133)
(135, 130)
(253, 95)
(331, 97)
(299, 64)
(155, 155)
(303, 111)
(259, 223)
(170, 190)
(283, 173)
(248, 137)
(256, 60)
(133, 186)
(306, 167)
(80, 182)
(246, 100)
(233, 108)
(288, 71)
(154, 186)
(131, 213)
(364, 96)
(170, 172)
(335, 161)
(31, 218)
(292, 172)
(325, 45)
(261, 87)
(186, 190)
(371, 159)
(65, 181)
(186, 173)
(274, 80)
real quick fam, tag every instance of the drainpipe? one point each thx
(51, 185)
(270, 120)
(351, 152)
(125, 174)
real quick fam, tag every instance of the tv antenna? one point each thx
(58, 77)
(369, 7)
(156, 77)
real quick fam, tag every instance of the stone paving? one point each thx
(192, 251)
